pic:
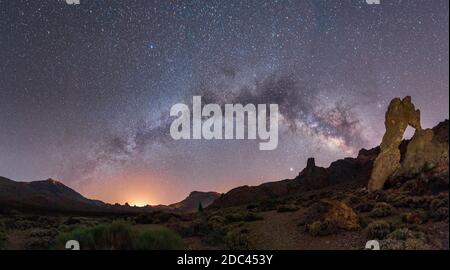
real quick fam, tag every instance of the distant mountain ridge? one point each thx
(52, 195)
(194, 200)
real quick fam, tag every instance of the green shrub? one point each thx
(401, 234)
(214, 230)
(120, 236)
(237, 240)
(159, 238)
(321, 228)
(416, 217)
(216, 221)
(379, 229)
(381, 210)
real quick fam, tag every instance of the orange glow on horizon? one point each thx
(139, 189)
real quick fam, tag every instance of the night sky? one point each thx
(86, 90)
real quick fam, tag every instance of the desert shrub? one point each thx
(413, 202)
(158, 238)
(416, 217)
(378, 229)
(163, 217)
(213, 230)
(321, 228)
(439, 208)
(381, 210)
(391, 244)
(237, 240)
(287, 208)
(2, 240)
(185, 229)
(401, 234)
(440, 214)
(415, 244)
(438, 203)
(119, 235)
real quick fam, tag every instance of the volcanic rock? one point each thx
(399, 115)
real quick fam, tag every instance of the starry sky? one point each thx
(86, 90)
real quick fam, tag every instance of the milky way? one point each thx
(86, 90)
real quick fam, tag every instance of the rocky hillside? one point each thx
(348, 170)
(49, 195)
(194, 200)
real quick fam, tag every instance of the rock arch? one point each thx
(399, 115)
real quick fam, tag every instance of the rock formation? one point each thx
(422, 151)
(314, 177)
(342, 216)
(342, 170)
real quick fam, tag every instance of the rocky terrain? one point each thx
(396, 193)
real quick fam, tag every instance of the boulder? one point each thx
(342, 216)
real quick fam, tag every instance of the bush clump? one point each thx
(401, 234)
(415, 217)
(415, 244)
(237, 240)
(379, 229)
(440, 214)
(321, 228)
(2, 240)
(392, 244)
(158, 238)
(121, 236)
(438, 203)
(381, 210)
(214, 230)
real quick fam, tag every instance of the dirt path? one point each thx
(281, 231)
